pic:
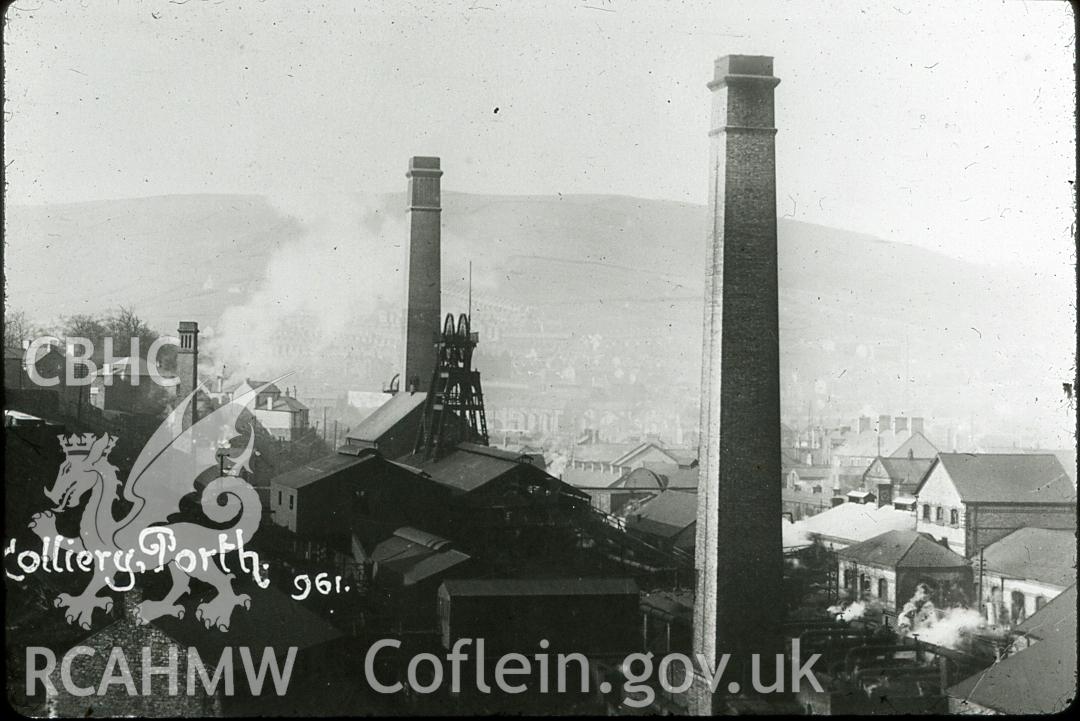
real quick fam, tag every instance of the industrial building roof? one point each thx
(318, 469)
(856, 522)
(1034, 554)
(903, 549)
(666, 515)
(1040, 679)
(416, 555)
(1008, 477)
(601, 452)
(1046, 621)
(541, 587)
(462, 469)
(387, 416)
(674, 476)
(581, 478)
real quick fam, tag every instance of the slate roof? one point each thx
(541, 587)
(1035, 554)
(290, 404)
(1047, 620)
(1039, 679)
(905, 471)
(1008, 477)
(903, 549)
(387, 416)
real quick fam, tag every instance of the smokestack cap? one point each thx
(189, 326)
(733, 68)
(424, 165)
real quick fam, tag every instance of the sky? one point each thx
(944, 125)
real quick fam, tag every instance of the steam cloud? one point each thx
(347, 257)
(943, 627)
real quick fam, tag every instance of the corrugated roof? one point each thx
(1040, 679)
(1035, 554)
(386, 416)
(541, 587)
(1008, 477)
(903, 549)
(318, 469)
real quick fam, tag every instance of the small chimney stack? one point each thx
(884, 423)
(864, 424)
(901, 424)
(917, 425)
(423, 271)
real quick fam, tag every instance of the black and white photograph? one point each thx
(553, 358)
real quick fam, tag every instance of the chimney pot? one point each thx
(884, 423)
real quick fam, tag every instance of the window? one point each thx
(290, 501)
(939, 515)
(954, 517)
(883, 589)
(926, 512)
(279, 498)
(864, 584)
(1040, 601)
(848, 578)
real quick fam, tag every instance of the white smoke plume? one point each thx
(346, 257)
(943, 627)
(849, 612)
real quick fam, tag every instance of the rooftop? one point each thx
(318, 469)
(1035, 554)
(666, 515)
(1008, 477)
(388, 415)
(903, 549)
(856, 522)
(1040, 679)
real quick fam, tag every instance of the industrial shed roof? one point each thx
(416, 555)
(387, 416)
(1008, 477)
(666, 515)
(855, 522)
(541, 587)
(462, 469)
(1035, 554)
(319, 469)
(903, 549)
(1038, 679)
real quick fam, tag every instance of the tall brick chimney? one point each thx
(738, 606)
(187, 367)
(423, 273)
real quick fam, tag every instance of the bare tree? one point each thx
(18, 328)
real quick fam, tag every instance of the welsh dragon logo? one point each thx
(164, 472)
